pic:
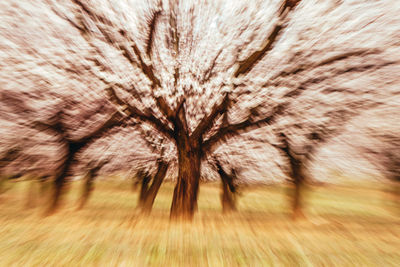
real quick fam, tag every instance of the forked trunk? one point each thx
(184, 202)
(152, 191)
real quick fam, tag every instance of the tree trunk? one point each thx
(31, 194)
(135, 183)
(147, 202)
(144, 187)
(3, 183)
(44, 189)
(58, 189)
(298, 180)
(228, 198)
(184, 202)
(60, 179)
(87, 189)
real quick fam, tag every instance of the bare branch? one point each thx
(133, 112)
(248, 64)
(149, 140)
(208, 120)
(147, 69)
(249, 124)
(153, 22)
(235, 129)
(10, 155)
(164, 107)
(114, 120)
(330, 60)
(208, 74)
(314, 80)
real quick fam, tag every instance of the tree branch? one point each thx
(208, 74)
(114, 120)
(249, 124)
(330, 60)
(151, 143)
(235, 129)
(176, 117)
(208, 120)
(133, 112)
(248, 64)
(147, 69)
(10, 155)
(165, 109)
(149, 42)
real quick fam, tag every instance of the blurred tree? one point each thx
(191, 147)
(199, 80)
(72, 147)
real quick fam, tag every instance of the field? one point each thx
(352, 225)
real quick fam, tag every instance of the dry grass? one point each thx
(344, 227)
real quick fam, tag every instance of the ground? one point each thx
(351, 225)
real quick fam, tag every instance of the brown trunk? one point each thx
(184, 202)
(58, 190)
(44, 189)
(228, 195)
(3, 183)
(145, 180)
(135, 183)
(150, 196)
(228, 199)
(89, 183)
(298, 181)
(8, 157)
(296, 174)
(87, 189)
(60, 179)
(31, 195)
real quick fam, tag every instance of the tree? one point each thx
(168, 66)
(307, 138)
(191, 147)
(140, 154)
(72, 148)
(379, 143)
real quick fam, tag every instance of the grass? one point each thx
(345, 226)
